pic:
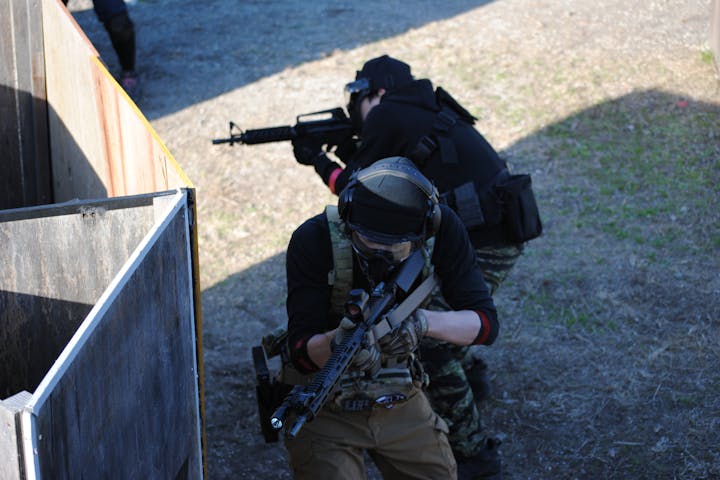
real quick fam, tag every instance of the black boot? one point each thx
(477, 375)
(486, 465)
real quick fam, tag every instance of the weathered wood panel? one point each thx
(11, 454)
(24, 159)
(101, 145)
(122, 400)
(56, 268)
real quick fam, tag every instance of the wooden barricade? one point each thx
(73, 146)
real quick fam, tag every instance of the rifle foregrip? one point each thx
(301, 420)
(268, 135)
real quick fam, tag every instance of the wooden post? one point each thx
(24, 161)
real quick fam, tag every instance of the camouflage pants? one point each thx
(449, 390)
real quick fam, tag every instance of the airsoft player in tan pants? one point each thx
(410, 441)
(387, 212)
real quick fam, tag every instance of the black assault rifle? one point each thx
(305, 401)
(331, 127)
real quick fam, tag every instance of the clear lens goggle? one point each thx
(356, 91)
(393, 253)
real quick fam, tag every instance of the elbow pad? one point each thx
(488, 330)
(300, 358)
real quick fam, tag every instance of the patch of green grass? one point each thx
(707, 57)
(544, 305)
(686, 401)
(652, 166)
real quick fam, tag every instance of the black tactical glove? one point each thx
(346, 148)
(307, 150)
(404, 339)
(367, 357)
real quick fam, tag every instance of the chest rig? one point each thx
(397, 377)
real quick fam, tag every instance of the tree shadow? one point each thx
(251, 40)
(630, 183)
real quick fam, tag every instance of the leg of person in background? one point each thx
(459, 380)
(495, 263)
(452, 398)
(114, 16)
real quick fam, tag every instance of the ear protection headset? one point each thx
(403, 168)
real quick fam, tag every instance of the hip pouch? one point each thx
(520, 210)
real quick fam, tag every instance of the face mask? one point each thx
(378, 261)
(375, 269)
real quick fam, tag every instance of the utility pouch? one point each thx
(467, 205)
(269, 392)
(520, 210)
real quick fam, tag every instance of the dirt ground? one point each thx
(607, 361)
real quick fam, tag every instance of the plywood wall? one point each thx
(101, 145)
(24, 160)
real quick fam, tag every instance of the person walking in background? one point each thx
(113, 14)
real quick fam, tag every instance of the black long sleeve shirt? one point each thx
(309, 260)
(394, 127)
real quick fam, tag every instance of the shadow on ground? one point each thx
(604, 367)
(230, 47)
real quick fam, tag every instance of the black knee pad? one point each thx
(120, 27)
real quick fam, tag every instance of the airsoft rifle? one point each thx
(331, 127)
(305, 401)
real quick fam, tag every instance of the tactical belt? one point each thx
(389, 387)
(363, 404)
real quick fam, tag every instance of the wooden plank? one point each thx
(76, 151)
(11, 445)
(10, 456)
(142, 331)
(138, 161)
(23, 130)
(56, 269)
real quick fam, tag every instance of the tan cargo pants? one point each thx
(408, 441)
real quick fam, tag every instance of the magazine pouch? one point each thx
(520, 211)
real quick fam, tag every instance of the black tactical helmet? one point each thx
(390, 202)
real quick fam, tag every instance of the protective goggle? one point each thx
(393, 253)
(355, 92)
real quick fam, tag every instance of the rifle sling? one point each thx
(406, 308)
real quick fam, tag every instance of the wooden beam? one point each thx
(24, 160)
